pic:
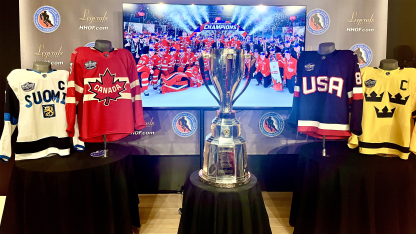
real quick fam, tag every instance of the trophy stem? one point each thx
(225, 152)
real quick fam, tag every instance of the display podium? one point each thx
(350, 192)
(75, 194)
(208, 209)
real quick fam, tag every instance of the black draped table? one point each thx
(75, 194)
(210, 210)
(352, 193)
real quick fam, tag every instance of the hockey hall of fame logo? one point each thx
(364, 54)
(318, 21)
(271, 124)
(184, 124)
(47, 19)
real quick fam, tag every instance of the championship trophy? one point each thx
(225, 152)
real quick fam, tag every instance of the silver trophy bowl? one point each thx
(225, 151)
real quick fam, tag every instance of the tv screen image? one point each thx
(166, 41)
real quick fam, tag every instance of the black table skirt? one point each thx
(211, 210)
(352, 193)
(75, 194)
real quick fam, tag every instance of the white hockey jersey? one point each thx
(35, 102)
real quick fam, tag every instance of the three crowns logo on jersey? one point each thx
(108, 89)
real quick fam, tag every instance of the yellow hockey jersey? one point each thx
(388, 111)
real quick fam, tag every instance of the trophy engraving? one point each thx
(225, 152)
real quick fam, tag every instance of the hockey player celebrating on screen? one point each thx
(209, 42)
(263, 71)
(157, 67)
(166, 61)
(235, 42)
(256, 64)
(207, 66)
(144, 69)
(182, 61)
(194, 76)
(172, 59)
(185, 40)
(189, 53)
(289, 64)
(177, 44)
(194, 61)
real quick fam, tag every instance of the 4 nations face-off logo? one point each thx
(271, 124)
(184, 124)
(108, 89)
(47, 19)
(318, 21)
(364, 54)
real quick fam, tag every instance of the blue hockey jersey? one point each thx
(327, 89)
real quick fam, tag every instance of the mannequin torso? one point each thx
(326, 48)
(389, 64)
(42, 67)
(103, 45)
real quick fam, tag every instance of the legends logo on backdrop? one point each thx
(93, 19)
(47, 19)
(359, 22)
(364, 54)
(271, 124)
(184, 124)
(317, 21)
(49, 54)
(149, 124)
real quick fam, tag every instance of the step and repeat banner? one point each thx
(51, 29)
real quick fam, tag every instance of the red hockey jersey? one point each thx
(144, 64)
(103, 88)
(157, 62)
(182, 61)
(263, 67)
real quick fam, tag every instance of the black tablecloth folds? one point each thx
(212, 210)
(352, 193)
(74, 194)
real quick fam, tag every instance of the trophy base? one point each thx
(204, 180)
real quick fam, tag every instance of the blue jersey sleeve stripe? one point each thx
(4, 158)
(8, 117)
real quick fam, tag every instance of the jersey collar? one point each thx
(388, 73)
(327, 56)
(41, 72)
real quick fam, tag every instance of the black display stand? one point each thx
(212, 210)
(349, 192)
(75, 194)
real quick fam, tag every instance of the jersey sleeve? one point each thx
(136, 91)
(11, 116)
(294, 115)
(413, 136)
(355, 96)
(75, 92)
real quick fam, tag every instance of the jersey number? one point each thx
(358, 78)
(323, 84)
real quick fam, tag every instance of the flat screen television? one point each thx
(194, 28)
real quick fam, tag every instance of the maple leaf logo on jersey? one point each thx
(108, 89)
